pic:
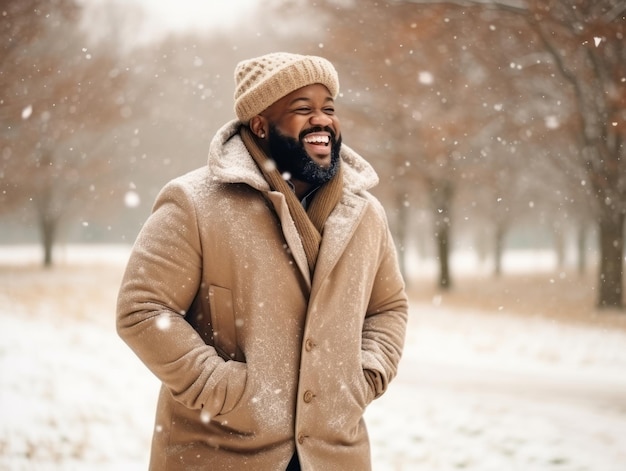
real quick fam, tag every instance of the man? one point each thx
(264, 289)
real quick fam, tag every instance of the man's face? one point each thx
(304, 134)
(292, 158)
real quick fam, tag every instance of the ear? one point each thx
(258, 125)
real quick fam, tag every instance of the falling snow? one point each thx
(26, 112)
(163, 322)
(132, 199)
(425, 78)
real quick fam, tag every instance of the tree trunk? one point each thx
(498, 250)
(581, 244)
(441, 194)
(443, 253)
(610, 283)
(401, 230)
(559, 247)
(47, 226)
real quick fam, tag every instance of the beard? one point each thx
(291, 158)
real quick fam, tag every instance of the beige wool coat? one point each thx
(257, 359)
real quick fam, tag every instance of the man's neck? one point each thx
(301, 189)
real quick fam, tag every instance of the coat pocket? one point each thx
(223, 323)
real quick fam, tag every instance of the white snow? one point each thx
(27, 112)
(483, 392)
(476, 390)
(132, 199)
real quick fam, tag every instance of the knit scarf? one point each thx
(309, 223)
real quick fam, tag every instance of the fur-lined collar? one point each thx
(230, 162)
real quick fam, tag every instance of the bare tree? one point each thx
(586, 41)
(430, 89)
(59, 94)
(507, 76)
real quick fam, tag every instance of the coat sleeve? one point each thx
(384, 328)
(160, 282)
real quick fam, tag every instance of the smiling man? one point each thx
(264, 289)
(311, 157)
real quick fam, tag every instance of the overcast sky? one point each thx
(182, 15)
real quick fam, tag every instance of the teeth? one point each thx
(317, 139)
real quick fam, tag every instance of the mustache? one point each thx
(327, 129)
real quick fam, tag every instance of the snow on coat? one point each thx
(256, 358)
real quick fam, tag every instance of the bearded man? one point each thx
(264, 290)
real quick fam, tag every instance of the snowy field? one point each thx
(476, 390)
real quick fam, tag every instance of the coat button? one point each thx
(308, 396)
(309, 344)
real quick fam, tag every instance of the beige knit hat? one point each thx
(264, 80)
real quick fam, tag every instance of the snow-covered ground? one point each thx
(476, 390)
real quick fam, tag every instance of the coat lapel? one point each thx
(291, 233)
(338, 231)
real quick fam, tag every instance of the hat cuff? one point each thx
(282, 83)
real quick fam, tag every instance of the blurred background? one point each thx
(497, 128)
(493, 125)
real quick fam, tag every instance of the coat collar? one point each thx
(230, 162)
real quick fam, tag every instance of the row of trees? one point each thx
(93, 116)
(501, 110)
(488, 115)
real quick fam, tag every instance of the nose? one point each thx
(320, 119)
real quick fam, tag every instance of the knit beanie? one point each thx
(262, 81)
